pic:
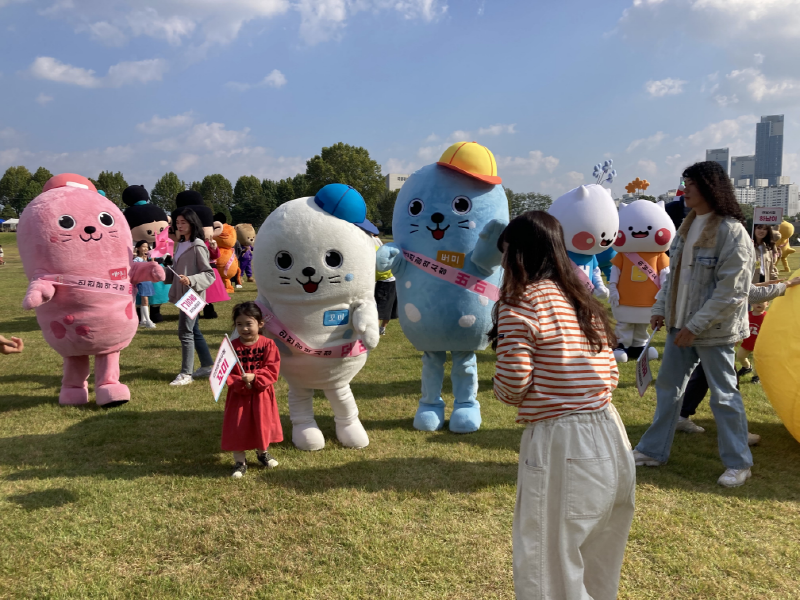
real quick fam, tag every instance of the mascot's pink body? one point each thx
(76, 249)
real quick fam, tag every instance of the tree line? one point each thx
(250, 199)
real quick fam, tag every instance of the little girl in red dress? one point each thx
(251, 414)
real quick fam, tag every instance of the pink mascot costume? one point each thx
(77, 252)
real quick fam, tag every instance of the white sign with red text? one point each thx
(763, 215)
(643, 373)
(226, 360)
(191, 303)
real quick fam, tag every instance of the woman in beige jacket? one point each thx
(766, 268)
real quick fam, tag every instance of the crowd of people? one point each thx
(554, 343)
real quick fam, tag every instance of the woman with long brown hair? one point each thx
(576, 480)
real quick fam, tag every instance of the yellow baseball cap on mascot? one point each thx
(473, 160)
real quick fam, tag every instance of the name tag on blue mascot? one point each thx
(332, 318)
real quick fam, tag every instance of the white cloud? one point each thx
(724, 101)
(459, 135)
(761, 87)
(648, 142)
(533, 163)
(171, 28)
(201, 137)
(46, 67)
(124, 73)
(432, 153)
(275, 79)
(556, 186)
(673, 160)
(432, 138)
(322, 20)
(8, 133)
(737, 134)
(647, 167)
(758, 58)
(158, 124)
(396, 165)
(497, 129)
(43, 99)
(105, 33)
(664, 87)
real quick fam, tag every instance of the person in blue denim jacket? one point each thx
(703, 306)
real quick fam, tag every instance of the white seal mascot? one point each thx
(638, 272)
(589, 218)
(447, 219)
(314, 265)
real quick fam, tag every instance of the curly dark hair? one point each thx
(716, 187)
(536, 252)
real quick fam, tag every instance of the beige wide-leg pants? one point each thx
(575, 499)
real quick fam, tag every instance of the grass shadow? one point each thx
(44, 499)
(119, 445)
(21, 325)
(418, 476)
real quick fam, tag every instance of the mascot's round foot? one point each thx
(352, 435)
(620, 356)
(465, 419)
(307, 436)
(652, 353)
(73, 396)
(429, 417)
(112, 394)
(209, 312)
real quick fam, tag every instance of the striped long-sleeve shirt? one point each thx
(545, 365)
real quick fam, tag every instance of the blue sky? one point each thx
(259, 86)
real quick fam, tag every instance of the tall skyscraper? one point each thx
(743, 168)
(719, 155)
(769, 148)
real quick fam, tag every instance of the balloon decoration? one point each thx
(604, 173)
(637, 185)
(776, 352)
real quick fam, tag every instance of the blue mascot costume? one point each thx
(447, 220)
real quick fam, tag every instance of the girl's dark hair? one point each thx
(140, 243)
(769, 242)
(247, 309)
(716, 187)
(536, 252)
(191, 218)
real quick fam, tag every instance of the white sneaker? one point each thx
(734, 477)
(238, 287)
(642, 460)
(202, 373)
(150, 325)
(753, 439)
(382, 330)
(182, 379)
(687, 426)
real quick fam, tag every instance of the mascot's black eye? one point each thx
(284, 260)
(649, 227)
(602, 235)
(66, 222)
(333, 258)
(106, 219)
(415, 207)
(462, 205)
(149, 232)
(630, 228)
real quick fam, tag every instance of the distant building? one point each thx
(719, 155)
(745, 194)
(394, 181)
(784, 196)
(743, 168)
(769, 148)
(667, 196)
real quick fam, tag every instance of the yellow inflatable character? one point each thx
(784, 244)
(776, 358)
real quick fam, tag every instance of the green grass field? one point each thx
(137, 501)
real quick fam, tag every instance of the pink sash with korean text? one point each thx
(452, 275)
(281, 332)
(644, 267)
(583, 277)
(91, 284)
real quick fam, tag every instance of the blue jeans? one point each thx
(192, 339)
(726, 402)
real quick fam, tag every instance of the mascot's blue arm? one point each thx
(486, 255)
(390, 257)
